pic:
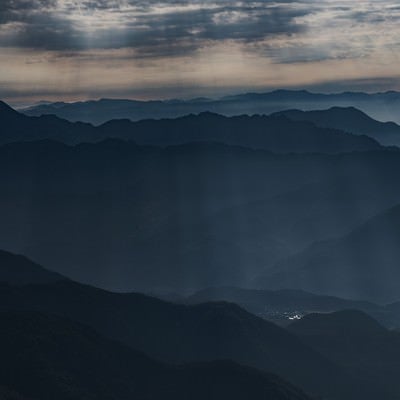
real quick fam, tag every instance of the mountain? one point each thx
(276, 134)
(198, 333)
(19, 270)
(100, 111)
(363, 263)
(359, 344)
(49, 357)
(348, 120)
(382, 106)
(181, 218)
(8, 114)
(341, 324)
(18, 127)
(284, 306)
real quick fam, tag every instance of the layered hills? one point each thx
(363, 263)
(382, 106)
(277, 134)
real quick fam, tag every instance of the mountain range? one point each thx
(356, 342)
(349, 120)
(382, 106)
(182, 218)
(48, 357)
(67, 340)
(199, 333)
(276, 134)
(277, 235)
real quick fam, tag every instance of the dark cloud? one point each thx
(161, 28)
(21, 10)
(182, 32)
(179, 28)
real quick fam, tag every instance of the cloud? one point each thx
(286, 31)
(152, 28)
(74, 45)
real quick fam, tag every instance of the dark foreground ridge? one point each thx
(49, 357)
(199, 333)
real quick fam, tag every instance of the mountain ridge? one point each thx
(199, 333)
(47, 357)
(364, 348)
(209, 228)
(382, 105)
(19, 270)
(349, 119)
(276, 134)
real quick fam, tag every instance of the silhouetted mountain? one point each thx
(17, 127)
(276, 134)
(382, 106)
(212, 331)
(18, 270)
(359, 344)
(130, 217)
(363, 263)
(48, 357)
(103, 110)
(277, 306)
(198, 333)
(349, 120)
(7, 113)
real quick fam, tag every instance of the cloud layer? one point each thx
(144, 37)
(152, 28)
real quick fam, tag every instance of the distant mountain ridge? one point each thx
(382, 106)
(275, 134)
(349, 120)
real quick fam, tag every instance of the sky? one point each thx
(79, 49)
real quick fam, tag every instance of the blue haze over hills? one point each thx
(381, 106)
